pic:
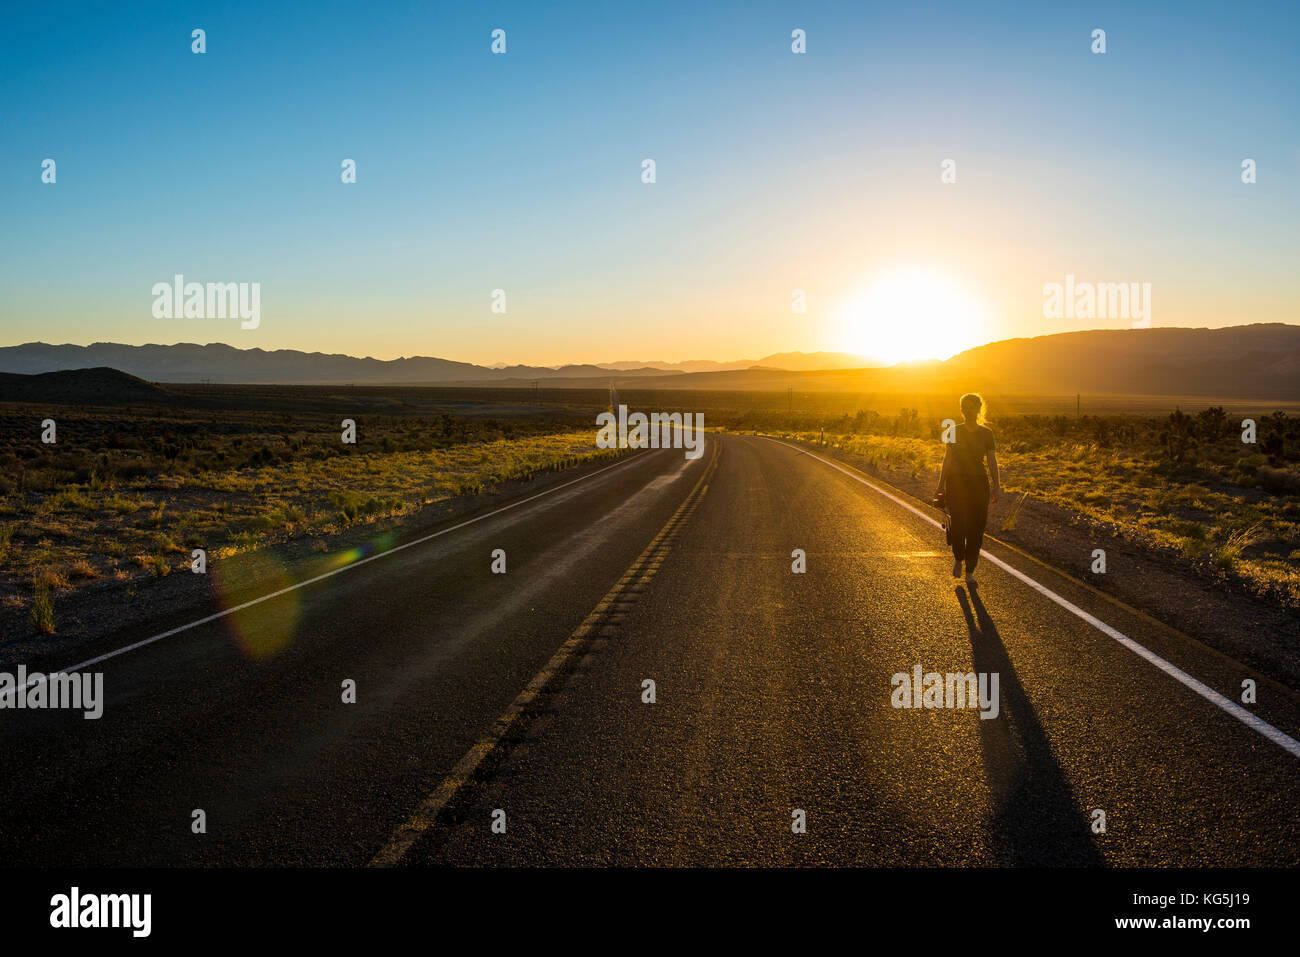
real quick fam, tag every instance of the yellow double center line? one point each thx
(603, 621)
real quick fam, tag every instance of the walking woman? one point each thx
(965, 485)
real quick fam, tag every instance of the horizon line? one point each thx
(871, 361)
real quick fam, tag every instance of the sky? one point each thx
(774, 172)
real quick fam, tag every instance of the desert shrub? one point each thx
(42, 609)
(82, 570)
(348, 504)
(1191, 530)
(67, 500)
(1277, 481)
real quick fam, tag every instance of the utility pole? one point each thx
(789, 400)
(1078, 398)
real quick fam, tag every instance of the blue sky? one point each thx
(775, 171)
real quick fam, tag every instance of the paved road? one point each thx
(773, 694)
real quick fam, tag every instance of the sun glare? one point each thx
(913, 314)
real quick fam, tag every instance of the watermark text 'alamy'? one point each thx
(658, 430)
(179, 299)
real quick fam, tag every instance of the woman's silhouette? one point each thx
(965, 486)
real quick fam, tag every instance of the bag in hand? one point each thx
(940, 501)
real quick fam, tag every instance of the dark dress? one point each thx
(968, 492)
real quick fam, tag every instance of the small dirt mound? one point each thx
(100, 386)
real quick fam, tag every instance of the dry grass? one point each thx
(82, 570)
(1196, 508)
(42, 608)
(122, 529)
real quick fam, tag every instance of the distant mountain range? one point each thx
(789, 361)
(1256, 361)
(1260, 361)
(216, 362)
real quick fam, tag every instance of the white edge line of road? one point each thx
(336, 571)
(1280, 738)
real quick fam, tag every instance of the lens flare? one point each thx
(265, 629)
(268, 627)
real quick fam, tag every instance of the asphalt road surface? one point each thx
(772, 696)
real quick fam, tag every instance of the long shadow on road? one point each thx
(1036, 821)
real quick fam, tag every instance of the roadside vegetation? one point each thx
(1181, 481)
(127, 495)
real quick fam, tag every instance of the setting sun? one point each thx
(913, 314)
